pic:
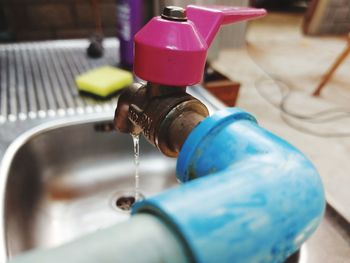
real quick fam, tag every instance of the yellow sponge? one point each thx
(103, 81)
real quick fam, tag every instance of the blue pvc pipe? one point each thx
(255, 198)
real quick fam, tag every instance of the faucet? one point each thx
(170, 54)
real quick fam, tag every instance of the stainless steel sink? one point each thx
(64, 181)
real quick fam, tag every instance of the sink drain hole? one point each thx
(125, 200)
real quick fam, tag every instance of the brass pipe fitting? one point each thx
(165, 115)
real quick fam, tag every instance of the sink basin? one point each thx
(64, 181)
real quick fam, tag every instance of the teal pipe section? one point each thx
(249, 196)
(144, 238)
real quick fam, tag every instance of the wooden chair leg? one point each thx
(333, 68)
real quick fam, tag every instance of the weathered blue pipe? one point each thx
(255, 198)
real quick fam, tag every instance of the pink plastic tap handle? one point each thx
(208, 19)
(173, 53)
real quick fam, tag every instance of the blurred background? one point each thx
(23, 20)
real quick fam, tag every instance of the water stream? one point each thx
(136, 141)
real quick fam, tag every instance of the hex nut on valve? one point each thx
(174, 13)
